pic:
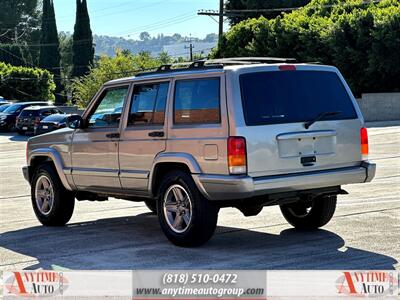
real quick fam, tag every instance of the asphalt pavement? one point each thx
(122, 235)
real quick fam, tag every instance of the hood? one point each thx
(59, 136)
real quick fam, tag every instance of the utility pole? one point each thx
(213, 13)
(190, 47)
(221, 19)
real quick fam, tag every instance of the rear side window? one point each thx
(197, 101)
(293, 96)
(148, 104)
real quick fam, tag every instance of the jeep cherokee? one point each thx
(244, 133)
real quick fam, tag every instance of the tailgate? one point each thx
(278, 104)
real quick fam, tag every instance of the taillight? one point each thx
(287, 67)
(237, 155)
(364, 143)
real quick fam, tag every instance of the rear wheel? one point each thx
(185, 216)
(312, 215)
(52, 203)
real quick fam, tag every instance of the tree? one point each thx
(19, 22)
(50, 47)
(37, 84)
(124, 64)
(260, 4)
(83, 50)
(145, 36)
(66, 53)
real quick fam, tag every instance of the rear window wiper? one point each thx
(320, 117)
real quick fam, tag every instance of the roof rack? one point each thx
(218, 63)
(253, 60)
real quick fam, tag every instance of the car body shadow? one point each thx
(15, 137)
(137, 243)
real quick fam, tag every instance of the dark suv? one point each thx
(9, 115)
(30, 117)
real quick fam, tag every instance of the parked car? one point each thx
(244, 133)
(51, 123)
(30, 117)
(4, 107)
(4, 103)
(10, 114)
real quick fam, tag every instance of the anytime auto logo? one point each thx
(41, 283)
(368, 284)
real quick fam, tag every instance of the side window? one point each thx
(148, 104)
(109, 108)
(56, 111)
(197, 101)
(46, 112)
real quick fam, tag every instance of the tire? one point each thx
(198, 218)
(58, 211)
(11, 127)
(21, 132)
(317, 215)
(151, 205)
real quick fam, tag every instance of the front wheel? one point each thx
(52, 203)
(310, 215)
(185, 216)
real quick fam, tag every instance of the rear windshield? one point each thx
(29, 113)
(55, 118)
(293, 96)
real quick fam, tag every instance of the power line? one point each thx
(239, 12)
(158, 23)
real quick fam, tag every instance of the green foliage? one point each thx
(19, 22)
(66, 54)
(260, 4)
(83, 50)
(22, 83)
(50, 46)
(361, 39)
(124, 64)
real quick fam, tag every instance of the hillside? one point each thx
(174, 45)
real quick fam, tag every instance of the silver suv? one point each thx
(244, 133)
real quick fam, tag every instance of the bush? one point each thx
(124, 64)
(361, 39)
(26, 84)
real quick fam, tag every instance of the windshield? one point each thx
(56, 118)
(4, 107)
(13, 108)
(293, 96)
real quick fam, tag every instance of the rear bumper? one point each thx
(225, 187)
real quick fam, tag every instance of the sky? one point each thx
(129, 18)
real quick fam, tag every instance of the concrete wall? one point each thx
(71, 109)
(380, 106)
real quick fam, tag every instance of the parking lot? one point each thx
(119, 235)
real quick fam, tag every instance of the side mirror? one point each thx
(75, 122)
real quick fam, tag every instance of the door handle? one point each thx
(114, 135)
(157, 134)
